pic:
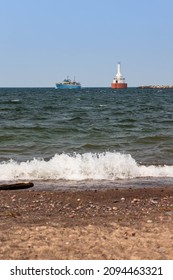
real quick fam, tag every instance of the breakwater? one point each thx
(157, 86)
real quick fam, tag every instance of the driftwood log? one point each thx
(16, 186)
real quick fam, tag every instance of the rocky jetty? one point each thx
(157, 86)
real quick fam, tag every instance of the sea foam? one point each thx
(93, 166)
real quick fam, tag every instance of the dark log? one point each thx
(16, 186)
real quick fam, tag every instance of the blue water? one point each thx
(89, 134)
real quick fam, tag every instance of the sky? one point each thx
(44, 41)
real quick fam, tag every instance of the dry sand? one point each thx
(111, 224)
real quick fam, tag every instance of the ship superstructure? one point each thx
(68, 84)
(119, 81)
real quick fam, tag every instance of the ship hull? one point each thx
(118, 85)
(62, 86)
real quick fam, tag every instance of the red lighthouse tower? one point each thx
(118, 81)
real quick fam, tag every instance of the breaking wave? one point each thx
(93, 166)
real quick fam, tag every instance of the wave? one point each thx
(93, 166)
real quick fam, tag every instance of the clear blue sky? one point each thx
(43, 41)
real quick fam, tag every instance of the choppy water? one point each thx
(89, 134)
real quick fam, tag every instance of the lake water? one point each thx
(86, 138)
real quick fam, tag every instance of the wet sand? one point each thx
(91, 224)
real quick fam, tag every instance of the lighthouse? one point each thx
(118, 81)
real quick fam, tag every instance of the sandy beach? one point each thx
(92, 224)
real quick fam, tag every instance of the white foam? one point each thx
(101, 166)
